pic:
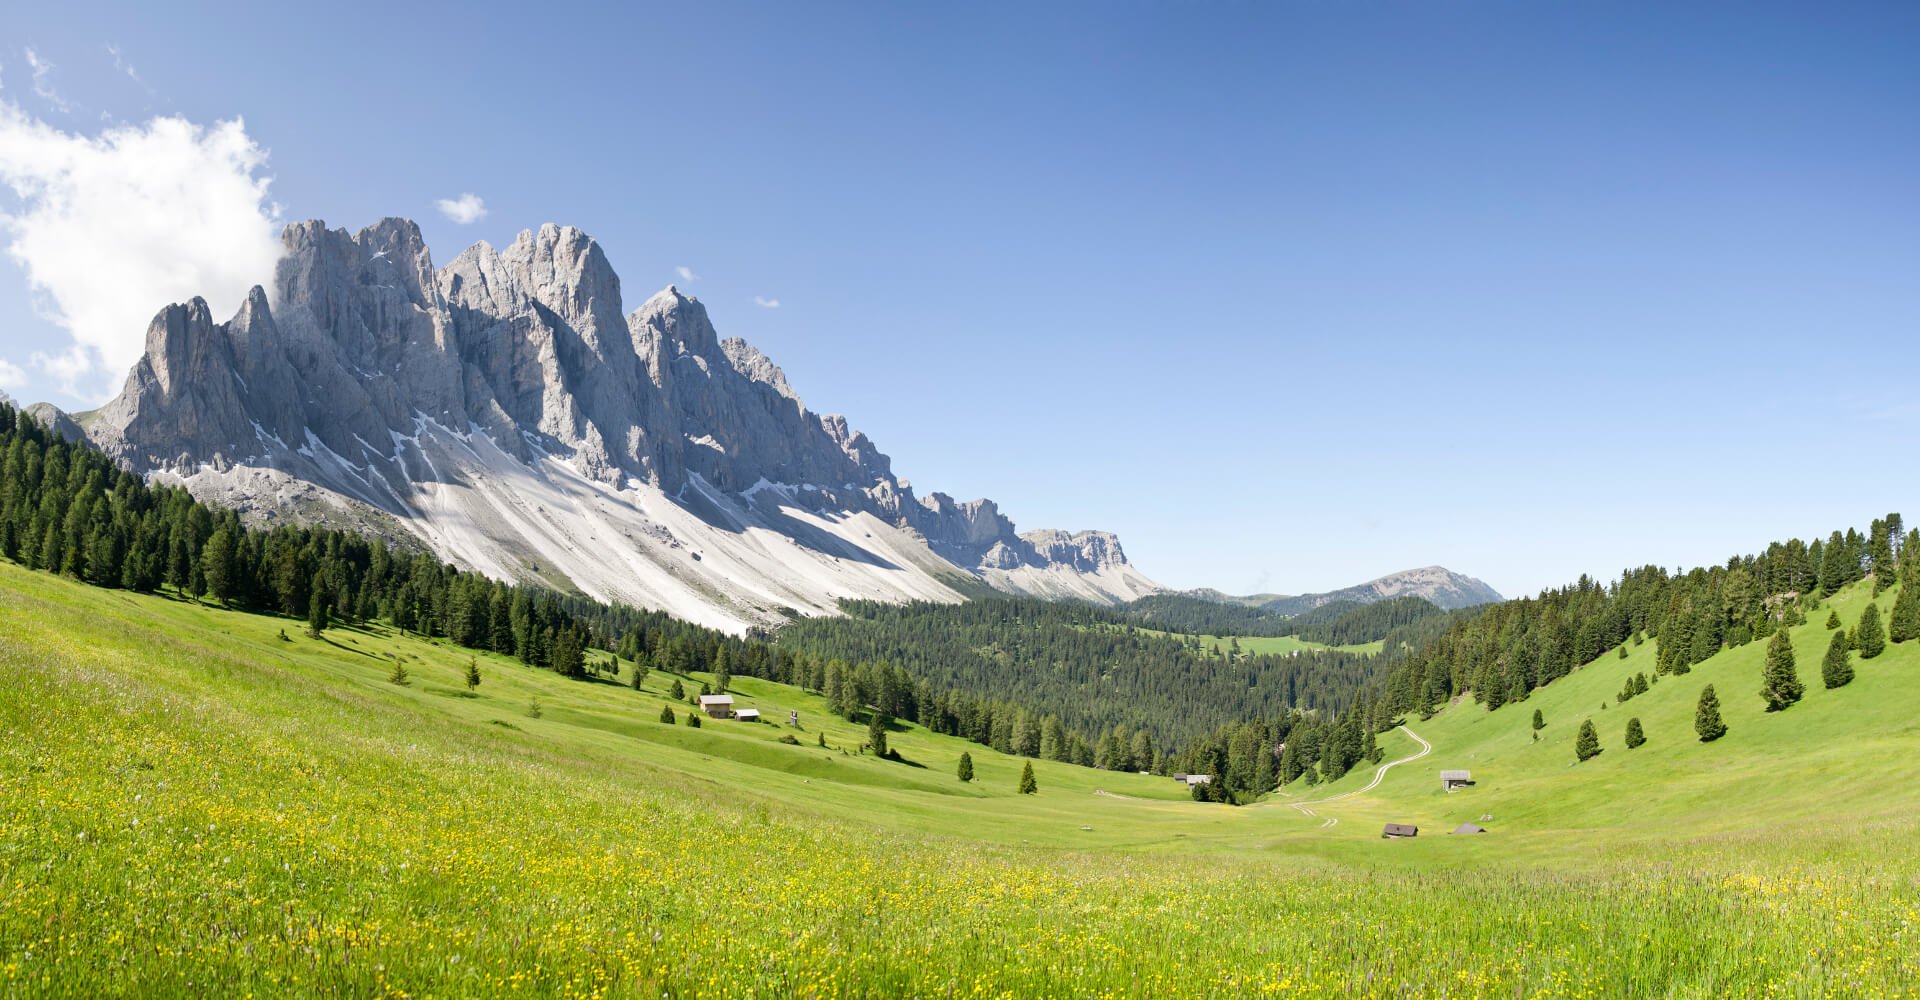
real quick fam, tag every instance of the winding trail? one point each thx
(1306, 807)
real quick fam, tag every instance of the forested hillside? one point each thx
(1092, 668)
(1510, 649)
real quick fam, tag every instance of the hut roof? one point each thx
(1469, 828)
(715, 699)
(1400, 830)
(1456, 775)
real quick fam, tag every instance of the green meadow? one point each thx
(192, 804)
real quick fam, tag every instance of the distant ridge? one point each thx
(1438, 584)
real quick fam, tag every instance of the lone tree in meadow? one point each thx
(1837, 669)
(473, 673)
(1706, 719)
(1905, 626)
(693, 720)
(1586, 746)
(1871, 637)
(666, 714)
(966, 766)
(1635, 736)
(1780, 685)
(1539, 721)
(1028, 786)
(877, 733)
(678, 691)
(317, 620)
(1833, 619)
(722, 671)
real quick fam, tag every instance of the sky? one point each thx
(1288, 295)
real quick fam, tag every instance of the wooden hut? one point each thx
(1451, 780)
(1395, 831)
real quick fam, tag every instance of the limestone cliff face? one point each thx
(363, 383)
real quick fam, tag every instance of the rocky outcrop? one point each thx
(365, 384)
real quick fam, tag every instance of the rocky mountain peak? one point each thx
(397, 393)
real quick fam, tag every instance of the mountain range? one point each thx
(508, 413)
(1437, 584)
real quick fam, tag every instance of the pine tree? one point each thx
(1871, 636)
(678, 691)
(639, 672)
(1539, 721)
(1905, 626)
(877, 733)
(1028, 786)
(1586, 746)
(1837, 669)
(966, 766)
(473, 673)
(317, 620)
(1635, 735)
(693, 720)
(1623, 650)
(666, 714)
(1780, 685)
(1706, 718)
(1833, 619)
(722, 671)
(398, 675)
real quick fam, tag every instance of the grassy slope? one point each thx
(191, 805)
(1837, 761)
(1262, 644)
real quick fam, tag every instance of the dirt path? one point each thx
(1306, 808)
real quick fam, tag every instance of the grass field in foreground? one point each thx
(191, 806)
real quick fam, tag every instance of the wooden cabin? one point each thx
(717, 706)
(1394, 831)
(1451, 780)
(1469, 828)
(747, 715)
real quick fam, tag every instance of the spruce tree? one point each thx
(722, 671)
(1635, 736)
(678, 691)
(1871, 636)
(693, 720)
(399, 674)
(966, 766)
(1028, 786)
(317, 620)
(1780, 685)
(1539, 721)
(473, 673)
(1623, 650)
(1837, 669)
(1586, 746)
(877, 733)
(666, 714)
(1905, 626)
(639, 672)
(1706, 718)
(1833, 619)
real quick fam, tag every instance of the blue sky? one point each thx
(1289, 295)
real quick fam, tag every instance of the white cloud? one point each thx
(112, 227)
(43, 81)
(766, 303)
(11, 375)
(120, 63)
(686, 273)
(468, 208)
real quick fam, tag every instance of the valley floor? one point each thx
(192, 804)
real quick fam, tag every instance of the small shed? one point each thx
(1199, 779)
(1395, 831)
(1451, 780)
(718, 706)
(747, 715)
(1469, 828)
